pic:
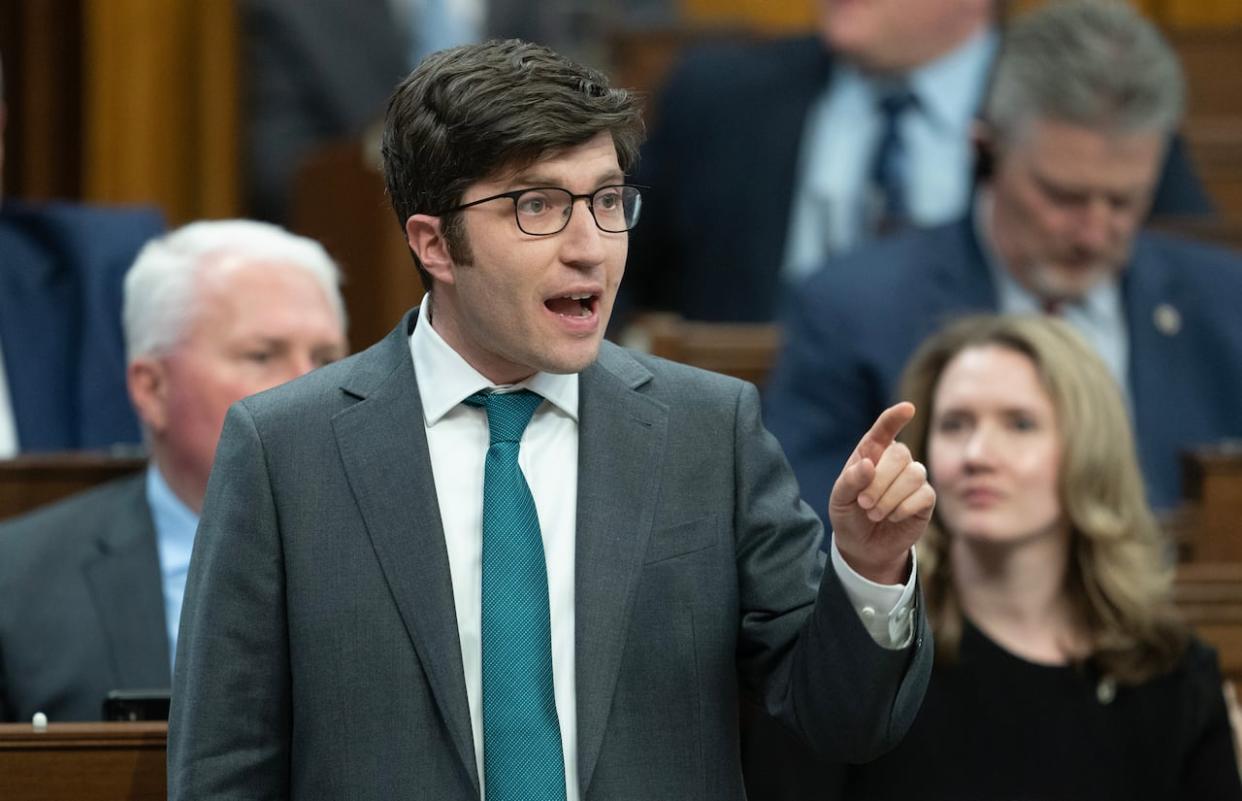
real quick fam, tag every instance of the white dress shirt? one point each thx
(457, 439)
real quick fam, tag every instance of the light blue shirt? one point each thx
(831, 203)
(175, 524)
(1099, 315)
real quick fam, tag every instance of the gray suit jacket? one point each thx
(81, 604)
(318, 655)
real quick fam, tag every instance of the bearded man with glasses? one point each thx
(494, 556)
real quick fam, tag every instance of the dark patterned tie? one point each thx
(522, 757)
(889, 171)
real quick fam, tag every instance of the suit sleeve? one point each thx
(802, 646)
(230, 722)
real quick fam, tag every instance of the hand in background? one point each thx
(881, 503)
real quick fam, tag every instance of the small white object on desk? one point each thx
(39, 721)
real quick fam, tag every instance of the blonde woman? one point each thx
(1062, 671)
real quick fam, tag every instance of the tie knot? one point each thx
(508, 413)
(894, 100)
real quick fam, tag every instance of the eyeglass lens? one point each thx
(546, 211)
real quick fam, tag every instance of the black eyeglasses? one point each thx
(545, 210)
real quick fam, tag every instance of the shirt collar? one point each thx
(445, 379)
(175, 523)
(949, 89)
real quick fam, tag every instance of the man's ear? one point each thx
(147, 378)
(983, 140)
(423, 235)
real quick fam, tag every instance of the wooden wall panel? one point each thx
(41, 43)
(161, 105)
(767, 16)
(1188, 14)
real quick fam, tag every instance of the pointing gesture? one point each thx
(881, 502)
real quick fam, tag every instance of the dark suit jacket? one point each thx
(722, 166)
(62, 268)
(318, 651)
(81, 604)
(316, 72)
(322, 71)
(856, 322)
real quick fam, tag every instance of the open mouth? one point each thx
(580, 305)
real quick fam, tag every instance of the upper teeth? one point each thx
(579, 297)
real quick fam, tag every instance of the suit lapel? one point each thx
(127, 589)
(384, 451)
(963, 279)
(621, 445)
(1153, 321)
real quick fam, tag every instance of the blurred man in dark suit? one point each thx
(322, 71)
(91, 587)
(766, 158)
(62, 360)
(1076, 124)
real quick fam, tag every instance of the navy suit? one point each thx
(722, 166)
(853, 326)
(62, 268)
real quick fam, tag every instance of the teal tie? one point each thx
(522, 758)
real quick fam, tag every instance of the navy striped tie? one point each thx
(889, 171)
(522, 757)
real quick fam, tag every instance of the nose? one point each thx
(1095, 225)
(582, 242)
(979, 451)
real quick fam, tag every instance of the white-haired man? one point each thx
(92, 586)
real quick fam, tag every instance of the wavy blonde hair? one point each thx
(1120, 576)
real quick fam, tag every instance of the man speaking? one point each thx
(495, 557)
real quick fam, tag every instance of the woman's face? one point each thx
(994, 448)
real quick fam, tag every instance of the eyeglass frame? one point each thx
(573, 201)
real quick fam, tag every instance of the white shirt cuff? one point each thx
(886, 610)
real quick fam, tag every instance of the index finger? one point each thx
(884, 431)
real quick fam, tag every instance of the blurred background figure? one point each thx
(322, 71)
(91, 587)
(766, 158)
(62, 359)
(1075, 126)
(1062, 668)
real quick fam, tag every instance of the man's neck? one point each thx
(183, 485)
